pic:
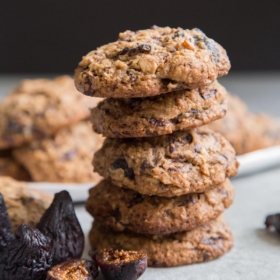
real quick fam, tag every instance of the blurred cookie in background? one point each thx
(10, 167)
(44, 121)
(39, 108)
(24, 205)
(63, 157)
(246, 131)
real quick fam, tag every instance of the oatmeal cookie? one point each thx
(24, 205)
(124, 209)
(159, 115)
(64, 157)
(151, 62)
(204, 243)
(11, 168)
(39, 108)
(246, 131)
(169, 165)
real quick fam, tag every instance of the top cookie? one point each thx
(39, 108)
(150, 62)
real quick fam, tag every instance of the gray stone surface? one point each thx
(256, 254)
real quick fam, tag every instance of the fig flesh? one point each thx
(74, 269)
(120, 264)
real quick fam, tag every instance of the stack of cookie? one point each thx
(166, 181)
(45, 132)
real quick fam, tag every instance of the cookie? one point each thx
(64, 157)
(39, 108)
(10, 167)
(124, 209)
(169, 165)
(24, 205)
(268, 132)
(159, 115)
(246, 131)
(205, 243)
(151, 62)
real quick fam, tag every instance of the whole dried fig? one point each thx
(6, 233)
(74, 269)
(273, 221)
(61, 226)
(28, 257)
(120, 264)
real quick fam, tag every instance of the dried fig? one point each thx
(28, 257)
(61, 226)
(6, 232)
(120, 264)
(75, 270)
(273, 221)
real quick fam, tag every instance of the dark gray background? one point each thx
(51, 36)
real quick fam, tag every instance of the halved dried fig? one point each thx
(62, 228)
(28, 257)
(273, 221)
(75, 270)
(120, 264)
(6, 232)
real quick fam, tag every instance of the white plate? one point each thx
(258, 160)
(78, 192)
(249, 163)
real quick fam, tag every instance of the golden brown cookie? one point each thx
(24, 205)
(64, 157)
(246, 131)
(159, 115)
(151, 62)
(39, 108)
(11, 168)
(169, 165)
(205, 243)
(124, 209)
